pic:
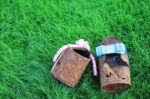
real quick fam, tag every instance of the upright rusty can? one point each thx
(71, 65)
(113, 67)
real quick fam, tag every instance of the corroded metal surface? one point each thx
(70, 67)
(114, 70)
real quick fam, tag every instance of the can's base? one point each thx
(117, 87)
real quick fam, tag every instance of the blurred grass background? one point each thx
(31, 31)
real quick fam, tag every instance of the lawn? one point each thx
(31, 31)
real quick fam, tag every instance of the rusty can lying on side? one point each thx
(71, 65)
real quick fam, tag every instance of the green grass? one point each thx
(31, 31)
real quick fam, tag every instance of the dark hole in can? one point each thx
(82, 52)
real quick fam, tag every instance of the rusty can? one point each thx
(71, 65)
(113, 66)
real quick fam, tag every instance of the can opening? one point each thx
(83, 53)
